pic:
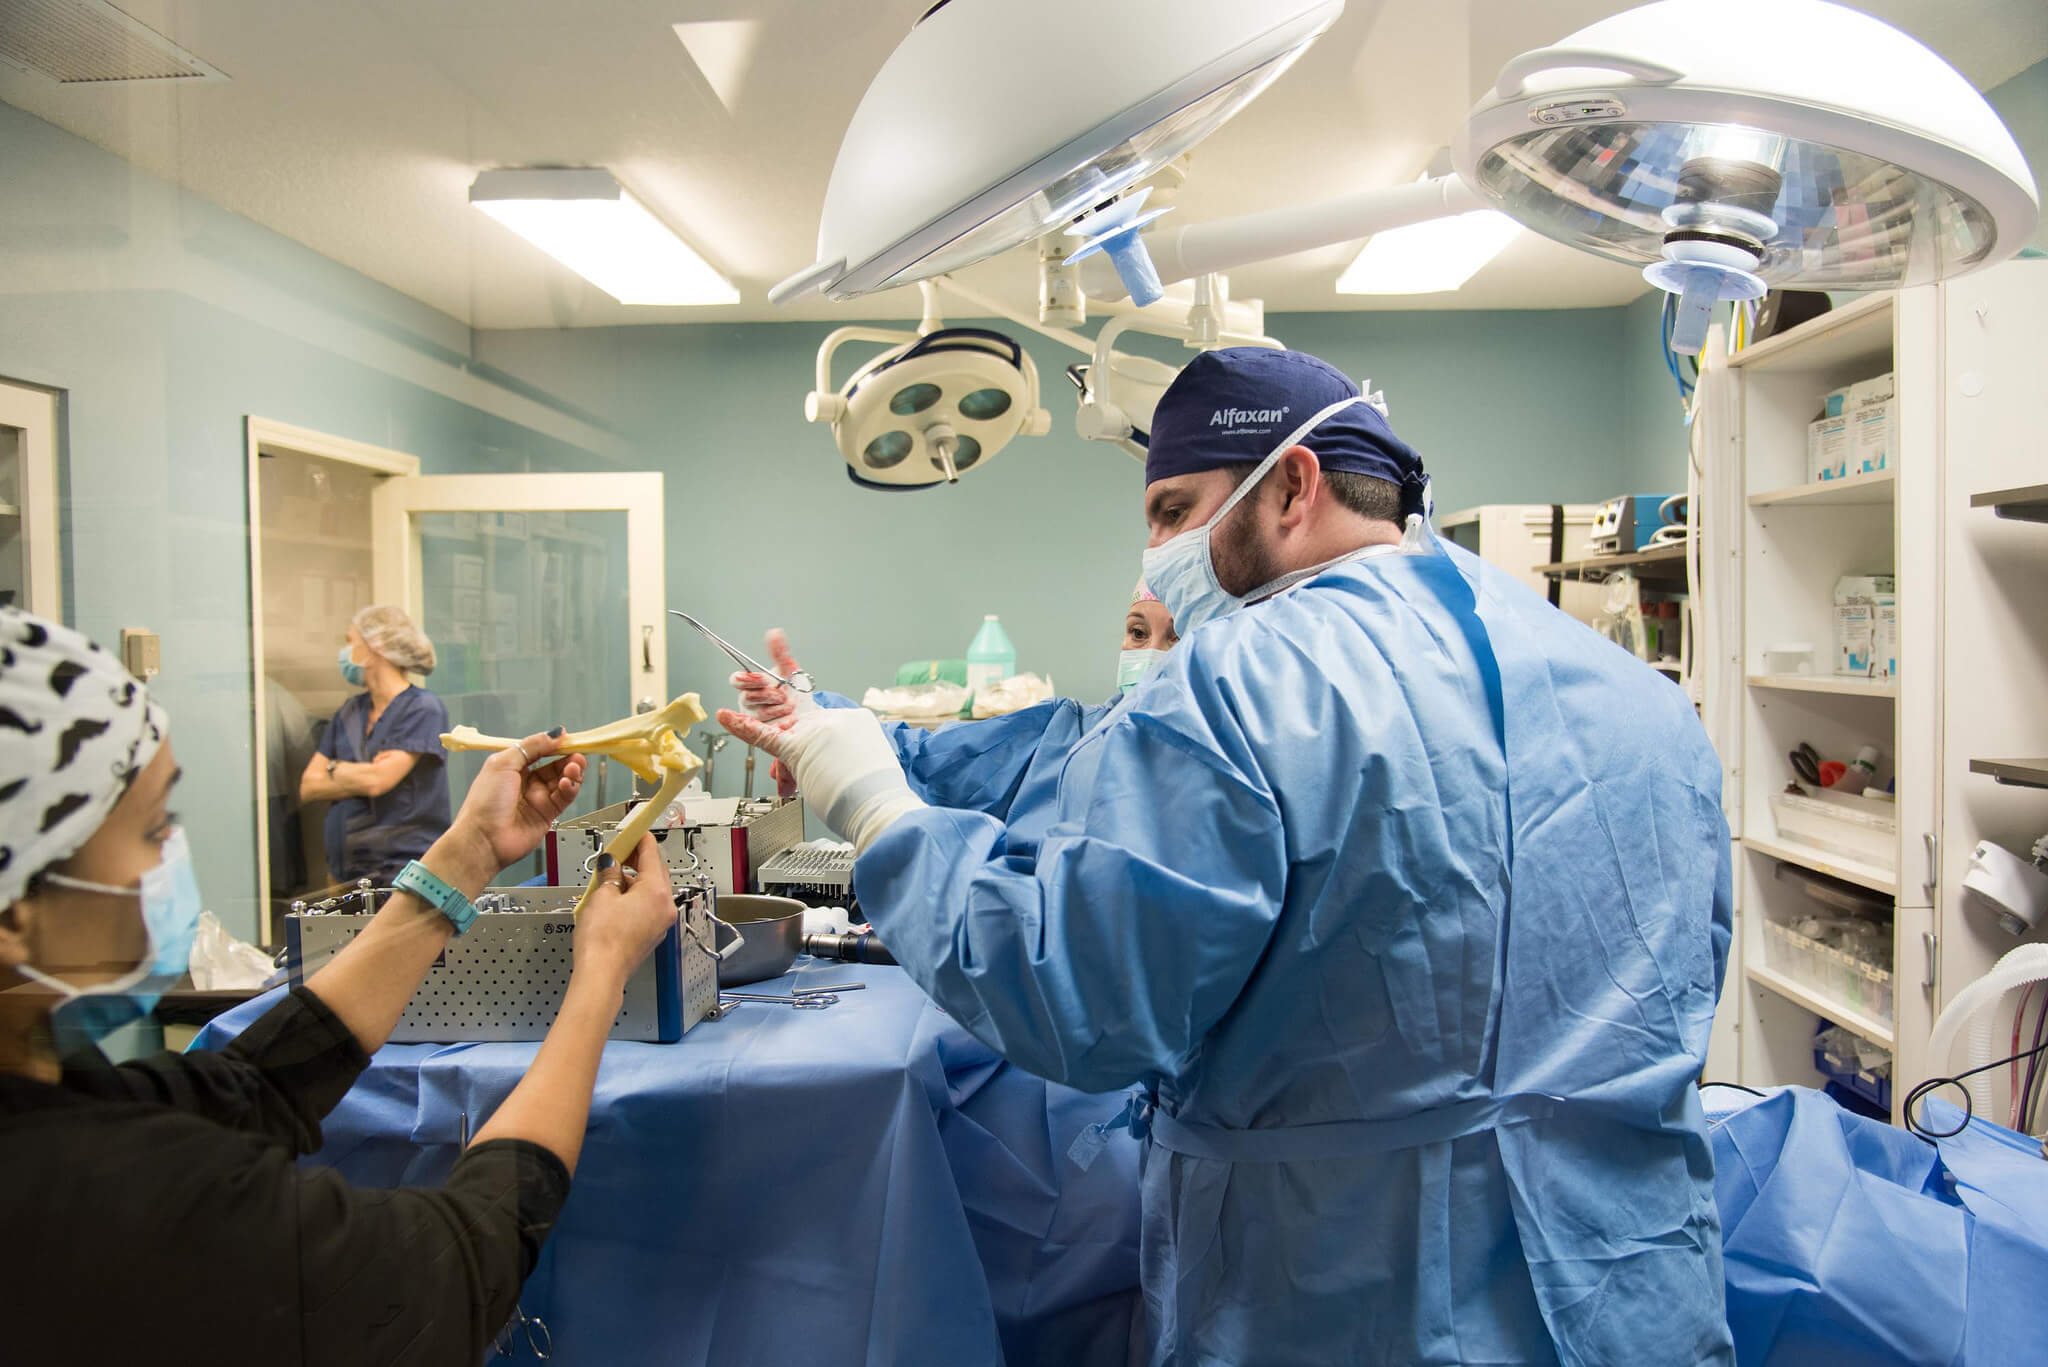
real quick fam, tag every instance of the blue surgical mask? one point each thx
(169, 894)
(351, 672)
(1182, 572)
(1133, 665)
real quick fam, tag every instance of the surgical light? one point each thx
(1726, 147)
(1428, 258)
(590, 223)
(994, 123)
(937, 403)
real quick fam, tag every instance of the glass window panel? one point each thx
(527, 612)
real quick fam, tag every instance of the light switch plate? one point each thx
(142, 651)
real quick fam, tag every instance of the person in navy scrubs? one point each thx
(380, 762)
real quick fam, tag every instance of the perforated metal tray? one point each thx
(504, 980)
(731, 856)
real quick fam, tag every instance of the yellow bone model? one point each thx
(651, 745)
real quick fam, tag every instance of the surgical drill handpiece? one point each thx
(847, 947)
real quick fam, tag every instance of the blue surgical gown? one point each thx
(1007, 767)
(1406, 899)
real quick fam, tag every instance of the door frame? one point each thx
(33, 411)
(259, 433)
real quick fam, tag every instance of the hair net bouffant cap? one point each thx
(75, 729)
(389, 632)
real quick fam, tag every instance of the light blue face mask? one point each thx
(351, 673)
(169, 894)
(1182, 572)
(1133, 665)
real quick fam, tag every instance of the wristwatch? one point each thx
(417, 880)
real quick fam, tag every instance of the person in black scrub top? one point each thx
(154, 1211)
(380, 762)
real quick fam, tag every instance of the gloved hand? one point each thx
(844, 764)
(773, 702)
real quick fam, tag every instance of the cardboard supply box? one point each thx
(1855, 435)
(1864, 393)
(1827, 449)
(1884, 655)
(1861, 602)
(1870, 437)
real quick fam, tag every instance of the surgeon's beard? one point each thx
(1244, 559)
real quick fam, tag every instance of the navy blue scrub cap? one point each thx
(1231, 407)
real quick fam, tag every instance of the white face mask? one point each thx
(1182, 572)
(169, 894)
(1133, 665)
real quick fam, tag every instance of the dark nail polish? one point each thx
(605, 861)
(555, 734)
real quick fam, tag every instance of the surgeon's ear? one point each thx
(1299, 477)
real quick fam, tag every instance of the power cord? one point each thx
(1918, 1094)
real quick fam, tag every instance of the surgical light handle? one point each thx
(1513, 80)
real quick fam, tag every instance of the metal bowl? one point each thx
(774, 927)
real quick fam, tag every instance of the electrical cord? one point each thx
(1918, 1094)
(1736, 1085)
(2030, 1096)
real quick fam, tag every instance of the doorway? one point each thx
(312, 565)
(542, 594)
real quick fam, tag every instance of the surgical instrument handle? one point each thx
(847, 947)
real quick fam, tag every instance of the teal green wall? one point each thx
(764, 528)
(165, 322)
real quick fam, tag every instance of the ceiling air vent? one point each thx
(86, 42)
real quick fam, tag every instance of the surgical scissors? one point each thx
(800, 680)
(540, 1341)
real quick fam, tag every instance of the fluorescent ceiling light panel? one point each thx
(723, 49)
(587, 221)
(1428, 258)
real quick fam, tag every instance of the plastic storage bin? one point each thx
(1828, 972)
(1862, 828)
(1836, 1054)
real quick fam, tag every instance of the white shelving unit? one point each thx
(1953, 521)
(1784, 543)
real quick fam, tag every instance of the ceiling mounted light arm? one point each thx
(1781, 143)
(1225, 244)
(1120, 390)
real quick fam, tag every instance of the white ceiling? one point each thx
(356, 126)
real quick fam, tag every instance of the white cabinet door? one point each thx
(1994, 582)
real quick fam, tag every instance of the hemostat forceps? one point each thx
(800, 680)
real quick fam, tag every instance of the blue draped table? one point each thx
(865, 1184)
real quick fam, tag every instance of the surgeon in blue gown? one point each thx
(1006, 766)
(1402, 898)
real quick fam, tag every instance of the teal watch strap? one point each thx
(416, 879)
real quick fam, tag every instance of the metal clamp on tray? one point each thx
(816, 877)
(504, 980)
(726, 839)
